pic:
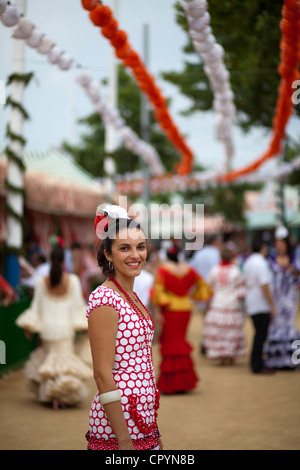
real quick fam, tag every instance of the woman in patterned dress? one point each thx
(224, 336)
(121, 332)
(279, 346)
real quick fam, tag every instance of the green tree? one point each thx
(249, 33)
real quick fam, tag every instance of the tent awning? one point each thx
(55, 184)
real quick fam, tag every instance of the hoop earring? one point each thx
(110, 266)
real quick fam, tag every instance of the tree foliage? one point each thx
(249, 33)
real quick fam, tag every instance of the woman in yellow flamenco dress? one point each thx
(176, 286)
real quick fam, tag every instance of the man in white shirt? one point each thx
(259, 301)
(203, 261)
(208, 257)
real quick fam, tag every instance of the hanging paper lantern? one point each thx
(200, 35)
(65, 61)
(45, 45)
(205, 46)
(54, 55)
(89, 4)
(109, 30)
(124, 51)
(24, 29)
(195, 8)
(3, 5)
(11, 15)
(83, 77)
(35, 39)
(93, 90)
(198, 24)
(100, 15)
(132, 59)
(119, 39)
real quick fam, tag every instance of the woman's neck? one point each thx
(125, 282)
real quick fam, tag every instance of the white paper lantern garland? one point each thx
(111, 115)
(11, 14)
(212, 55)
(24, 29)
(200, 180)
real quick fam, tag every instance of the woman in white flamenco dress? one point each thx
(56, 374)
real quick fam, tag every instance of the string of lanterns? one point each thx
(212, 54)
(24, 29)
(102, 17)
(110, 114)
(289, 59)
(288, 70)
(173, 183)
(198, 19)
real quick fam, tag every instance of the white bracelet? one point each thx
(110, 397)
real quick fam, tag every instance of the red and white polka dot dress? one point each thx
(133, 374)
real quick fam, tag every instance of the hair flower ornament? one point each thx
(105, 215)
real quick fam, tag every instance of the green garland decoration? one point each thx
(12, 156)
(20, 77)
(14, 189)
(13, 136)
(15, 104)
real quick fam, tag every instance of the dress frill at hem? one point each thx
(57, 375)
(146, 443)
(177, 372)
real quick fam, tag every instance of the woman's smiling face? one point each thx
(128, 252)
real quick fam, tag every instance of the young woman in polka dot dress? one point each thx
(123, 414)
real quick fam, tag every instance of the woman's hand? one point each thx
(126, 445)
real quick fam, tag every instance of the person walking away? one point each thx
(207, 257)
(202, 262)
(223, 333)
(259, 302)
(176, 284)
(54, 372)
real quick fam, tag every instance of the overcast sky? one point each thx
(54, 101)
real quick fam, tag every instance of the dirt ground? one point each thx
(231, 409)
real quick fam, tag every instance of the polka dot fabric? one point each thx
(133, 374)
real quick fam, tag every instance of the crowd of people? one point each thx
(96, 312)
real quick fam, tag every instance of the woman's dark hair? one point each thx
(173, 253)
(226, 254)
(289, 247)
(109, 237)
(257, 244)
(56, 270)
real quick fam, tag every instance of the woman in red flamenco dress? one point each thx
(176, 284)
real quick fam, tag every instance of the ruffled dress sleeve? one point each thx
(159, 294)
(30, 319)
(203, 291)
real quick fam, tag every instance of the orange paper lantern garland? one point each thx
(288, 70)
(102, 16)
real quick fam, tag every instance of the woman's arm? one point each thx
(103, 327)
